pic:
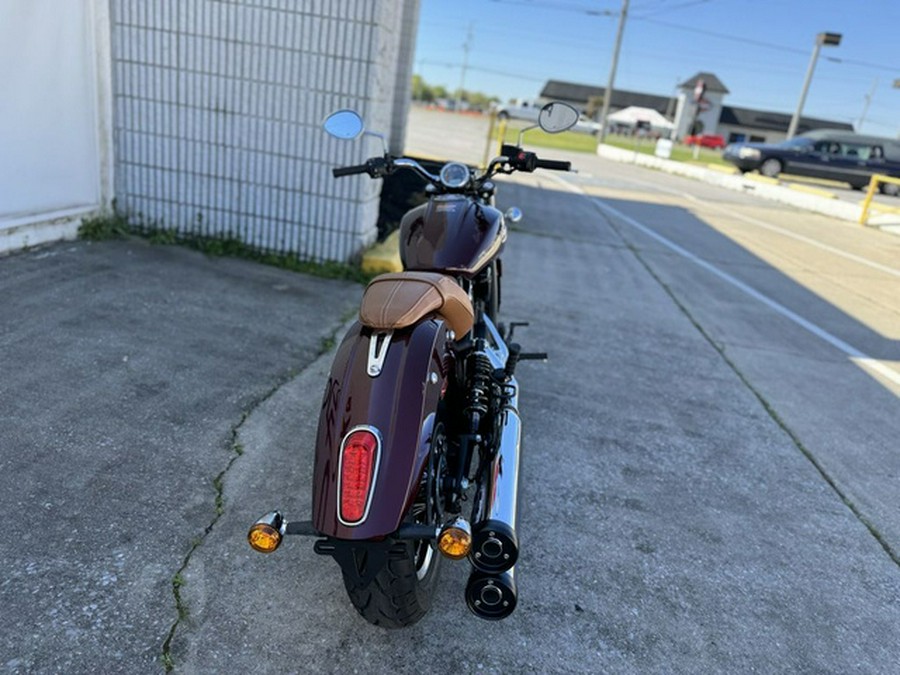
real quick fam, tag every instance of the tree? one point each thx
(594, 105)
(422, 91)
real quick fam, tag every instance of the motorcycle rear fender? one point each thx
(401, 403)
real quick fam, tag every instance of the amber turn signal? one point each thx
(266, 534)
(455, 539)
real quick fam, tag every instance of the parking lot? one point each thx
(709, 472)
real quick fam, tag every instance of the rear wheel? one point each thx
(770, 168)
(401, 591)
(891, 189)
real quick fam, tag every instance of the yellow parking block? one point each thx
(812, 190)
(824, 182)
(723, 168)
(759, 178)
(882, 208)
(383, 257)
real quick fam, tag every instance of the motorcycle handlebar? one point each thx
(553, 164)
(349, 170)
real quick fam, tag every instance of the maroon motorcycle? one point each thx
(420, 414)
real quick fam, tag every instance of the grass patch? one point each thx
(582, 142)
(104, 227)
(232, 247)
(116, 225)
(567, 140)
(680, 153)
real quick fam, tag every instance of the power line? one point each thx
(863, 64)
(662, 10)
(446, 64)
(563, 8)
(724, 36)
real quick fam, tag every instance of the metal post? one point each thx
(795, 120)
(607, 95)
(821, 39)
(867, 100)
(465, 65)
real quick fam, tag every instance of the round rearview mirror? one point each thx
(556, 117)
(345, 124)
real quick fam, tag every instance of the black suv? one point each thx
(835, 155)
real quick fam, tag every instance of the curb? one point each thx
(383, 257)
(810, 190)
(730, 170)
(809, 199)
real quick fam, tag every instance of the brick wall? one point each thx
(218, 107)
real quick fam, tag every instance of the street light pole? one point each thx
(831, 39)
(607, 95)
(897, 86)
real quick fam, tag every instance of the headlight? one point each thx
(749, 153)
(455, 175)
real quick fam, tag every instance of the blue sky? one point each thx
(760, 49)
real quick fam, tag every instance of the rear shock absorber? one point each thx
(480, 372)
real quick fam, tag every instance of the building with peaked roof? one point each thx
(714, 117)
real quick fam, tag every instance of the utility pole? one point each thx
(897, 86)
(867, 101)
(607, 95)
(465, 64)
(831, 39)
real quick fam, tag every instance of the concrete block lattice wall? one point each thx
(218, 106)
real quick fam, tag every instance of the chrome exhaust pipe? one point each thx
(492, 596)
(495, 546)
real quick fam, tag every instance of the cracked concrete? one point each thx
(767, 406)
(124, 368)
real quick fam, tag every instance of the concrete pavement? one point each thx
(127, 372)
(669, 523)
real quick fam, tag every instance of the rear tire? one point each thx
(398, 597)
(890, 189)
(402, 590)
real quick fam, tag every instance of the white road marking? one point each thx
(855, 354)
(768, 226)
(793, 235)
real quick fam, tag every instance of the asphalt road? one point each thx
(710, 468)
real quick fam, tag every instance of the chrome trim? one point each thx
(378, 447)
(497, 352)
(455, 182)
(378, 353)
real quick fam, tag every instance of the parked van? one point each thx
(823, 153)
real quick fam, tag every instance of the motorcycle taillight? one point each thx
(359, 461)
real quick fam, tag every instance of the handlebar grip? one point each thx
(553, 164)
(349, 170)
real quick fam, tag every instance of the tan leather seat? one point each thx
(401, 299)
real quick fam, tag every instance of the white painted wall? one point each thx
(54, 133)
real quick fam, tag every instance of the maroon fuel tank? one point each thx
(451, 233)
(400, 403)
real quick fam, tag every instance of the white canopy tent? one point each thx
(631, 115)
